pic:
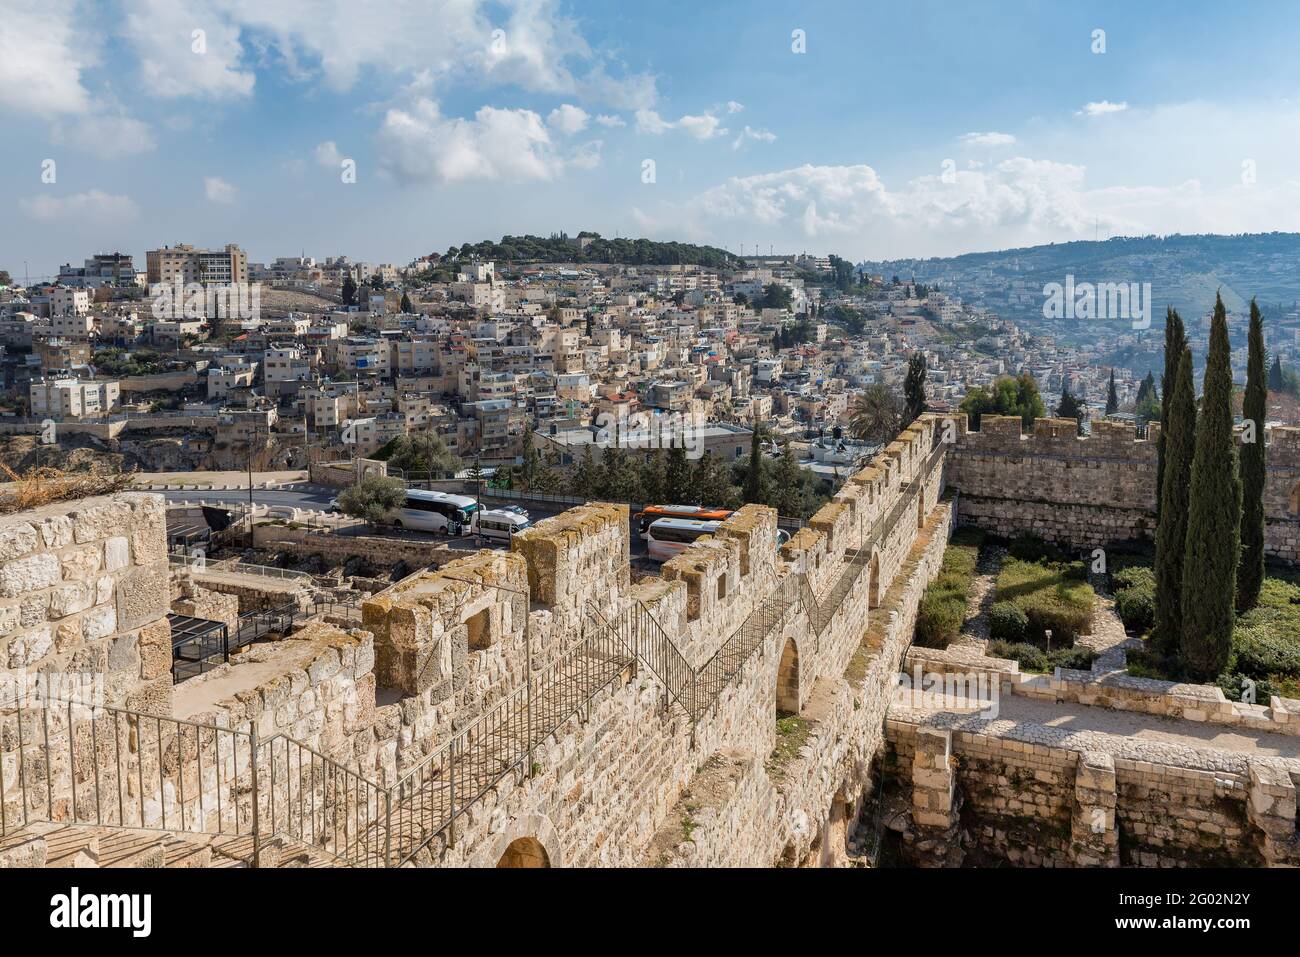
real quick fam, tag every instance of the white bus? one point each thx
(438, 512)
(668, 536)
(502, 524)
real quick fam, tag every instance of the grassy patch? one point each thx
(1054, 595)
(791, 734)
(943, 606)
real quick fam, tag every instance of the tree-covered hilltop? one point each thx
(560, 248)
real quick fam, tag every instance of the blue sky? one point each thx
(904, 129)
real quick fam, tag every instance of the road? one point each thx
(318, 497)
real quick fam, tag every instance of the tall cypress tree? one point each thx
(755, 481)
(1171, 533)
(1213, 517)
(1175, 343)
(1250, 571)
(1112, 396)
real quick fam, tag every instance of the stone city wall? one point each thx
(1092, 491)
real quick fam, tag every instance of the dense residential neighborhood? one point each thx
(333, 358)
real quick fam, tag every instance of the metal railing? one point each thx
(117, 768)
(71, 762)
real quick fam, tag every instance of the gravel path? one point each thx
(975, 631)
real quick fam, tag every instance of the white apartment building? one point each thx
(66, 302)
(61, 399)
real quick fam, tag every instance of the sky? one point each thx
(388, 129)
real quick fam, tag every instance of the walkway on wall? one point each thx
(303, 797)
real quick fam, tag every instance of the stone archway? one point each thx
(787, 680)
(517, 832)
(525, 852)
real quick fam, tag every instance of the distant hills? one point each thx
(589, 247)
(1184, 271)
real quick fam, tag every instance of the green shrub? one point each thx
(1134, 576)
(1033, 658)
(1137, 607)
(1007, 622)
(943, 606)
(1260, 653)
(939, 619)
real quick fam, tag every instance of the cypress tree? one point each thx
(755, 490)
(1250, 571)
(1276, 380)
(914, 386)
(1175, 343)
(1171, 532)
(1213, 517)
(1112, 396)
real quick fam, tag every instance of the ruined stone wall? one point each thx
(1005, 797)
(1093, 491)
(84, 590)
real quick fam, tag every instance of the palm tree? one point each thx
(876, 414)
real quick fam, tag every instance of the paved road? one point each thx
(318, 497)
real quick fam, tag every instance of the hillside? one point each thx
(1184, 271)
(592, 248)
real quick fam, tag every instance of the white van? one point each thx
(502, 524)
(438, 512)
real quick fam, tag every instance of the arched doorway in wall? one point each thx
(525, 852)
(787, 681)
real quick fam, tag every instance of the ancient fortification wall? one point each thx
(1093, 491)
(84, 591)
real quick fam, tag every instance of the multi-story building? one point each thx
(188, 264)
(68, 398)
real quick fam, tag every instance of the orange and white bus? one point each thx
(699, 513)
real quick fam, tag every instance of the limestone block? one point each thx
(142, 596)
(117, 553)
(99, 622)
(155, 644)
(23, 575)
(97, 522)
(17, 541)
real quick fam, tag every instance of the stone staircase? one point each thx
(86, 846)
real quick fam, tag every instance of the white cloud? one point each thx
(106, 133)
(734, 107)
(611, 120)
(568, 119)
(648, 121)
(1019, 201)
(91, 206)
(529, 43)
(176, 63)
(327, 154)
(751, 135)
(217, 190)
(419, 144)
(988, 139)
(703, 127)
(40, 59)
(1102, 107)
